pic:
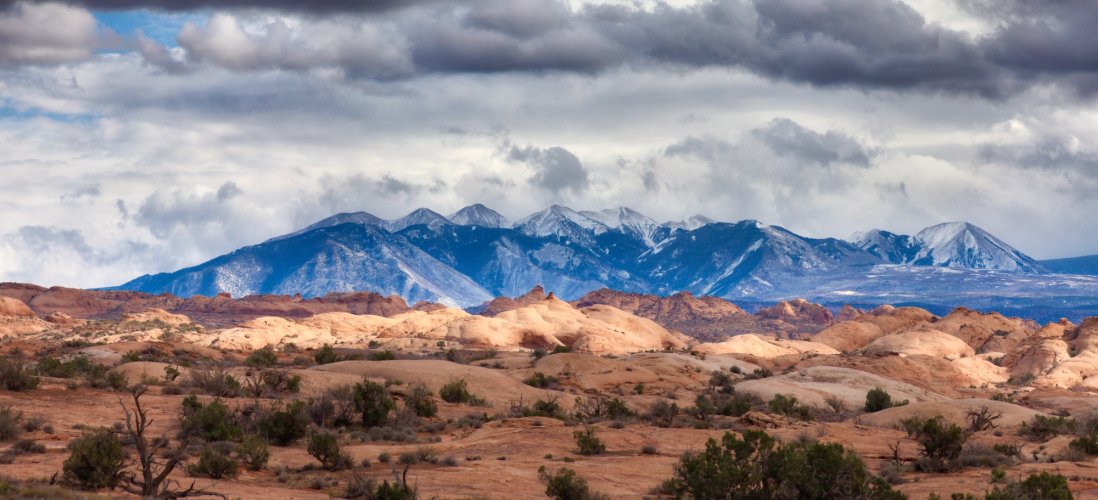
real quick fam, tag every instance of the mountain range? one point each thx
(475, 254)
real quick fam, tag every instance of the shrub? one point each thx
(214, 462)
(215, 382)
(27, 446)
(284, 425)
(96, 460)
(1043, 428)
(326, 354)
(263, 358)
(788, 406)
(759, 373)
(941, 443)
(385, 355)
(663, 413)
(253, 452)
(649, 449)
(878, 399)
(334, 408)
(421, 400)
(1044, 486)
(756, 466)
(564, 484)
(617, 409)
(171, 373)
(209, 422)
(373, 402)
(720, 379)
(10, 422)
(540, 380)
(384, 457)
(587, 443)
(456, 391)
(15, 375)
(561, 349)
(324, 446)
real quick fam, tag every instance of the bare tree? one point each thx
(154, 481)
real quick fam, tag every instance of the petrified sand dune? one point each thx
(157, 315)
(952, 410)
(857, 333)
(986, 332)
(815, 385)
(924, 341)
(16, 318)
(764, 347)
(549, 323)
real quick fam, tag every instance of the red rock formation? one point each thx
(501, 304)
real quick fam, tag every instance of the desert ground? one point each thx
(479, 403)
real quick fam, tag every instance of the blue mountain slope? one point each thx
(344, 257)
(1075, 265)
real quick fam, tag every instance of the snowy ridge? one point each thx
(474, 255)
(950, 244)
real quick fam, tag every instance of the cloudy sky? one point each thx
(145, 135)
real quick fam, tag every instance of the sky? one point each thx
(142, 136)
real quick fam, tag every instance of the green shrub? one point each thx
(15, 375)
(324, 446)
(587, 443)
(1043, 428)
(941, 443)
(263, 358)
(325, 355)
(564, 484)
(561, 349)
(214, 462)
(540, 380)
(209, 422)
(663, 413)
(1042, 486)
(878, 399)
(373, 402)
(96, 460)
(10, 422)
(788, 406)
(253, 452)
(422, 401)
(756, 466)
(385, 355)
(284, 424)
(455, 391)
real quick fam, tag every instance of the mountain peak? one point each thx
(631, 222)
(694, 222)
(424, 216)
(478, 215)
(962, 244)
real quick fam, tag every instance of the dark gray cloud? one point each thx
(325, 6)
(787, 138)
(165, 210)
(555, 169)
(45, 34)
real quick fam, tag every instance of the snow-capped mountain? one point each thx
(950, 244)
(474, 255)
(478, 215)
